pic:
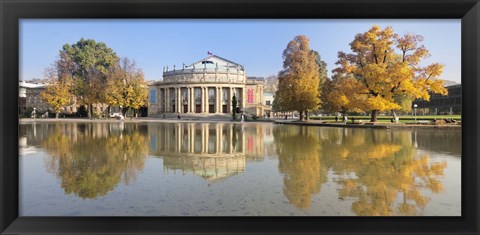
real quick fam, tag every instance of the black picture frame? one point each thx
(13, 10)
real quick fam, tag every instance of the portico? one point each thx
(198, 98)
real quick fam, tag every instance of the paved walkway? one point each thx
(378, 125)
(126, 120)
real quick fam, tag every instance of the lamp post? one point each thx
(415, 111)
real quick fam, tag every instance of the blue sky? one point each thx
(256, 44)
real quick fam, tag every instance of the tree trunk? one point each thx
(300, 116)
(374, 116)
(90, 111)
(56, 115)
(307, 117)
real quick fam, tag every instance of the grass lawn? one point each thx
(407, 118)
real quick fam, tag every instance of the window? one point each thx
(211, 94)
(268, 102)
(153, 96)
(198, 95)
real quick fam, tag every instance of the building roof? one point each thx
(256, 78)
(27, 84)
(213, 61)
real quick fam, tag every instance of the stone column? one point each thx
(217, 100)
(175, 94)
(167, 103)
(179, 100)
(188, 99)
(205, 105)
(192, 99)
(194, 105)
(189, 104)
(164, 100)
(167, 100)
(202, 102)
(220, 96)
(221, 99)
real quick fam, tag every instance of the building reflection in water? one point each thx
(213, 151)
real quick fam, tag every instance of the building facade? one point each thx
(442, 104)
(268, 97)
(29, 98)
(208, 86)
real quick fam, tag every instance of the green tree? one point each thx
(88, 63)
(299, 81)
(388, 69)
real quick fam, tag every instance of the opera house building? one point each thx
(206, 87)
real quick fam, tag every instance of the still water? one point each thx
(233, 169)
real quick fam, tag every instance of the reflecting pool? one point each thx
(234, 169)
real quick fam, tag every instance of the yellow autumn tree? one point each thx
(388, 66)
(58, 94)
(339, 95)
(126, 86)
(299, 80)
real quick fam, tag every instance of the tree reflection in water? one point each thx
(379, 170)
(299, 160)
(91, 159)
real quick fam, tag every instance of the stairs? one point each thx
(193, 116)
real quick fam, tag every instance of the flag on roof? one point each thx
(209, 53)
